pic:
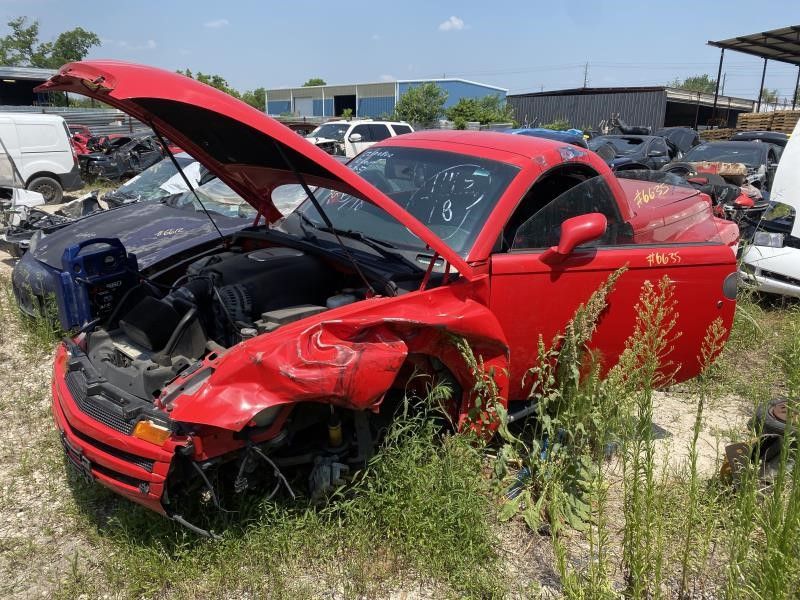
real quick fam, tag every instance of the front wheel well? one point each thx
(42, 174)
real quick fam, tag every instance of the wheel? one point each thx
(49, 188)
(770, 417)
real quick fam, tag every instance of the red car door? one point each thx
(533, 296)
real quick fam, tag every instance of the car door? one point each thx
(355, 147)
(534, 295)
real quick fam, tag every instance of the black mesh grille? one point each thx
(139, 461)
(779, 277)
(76, 382)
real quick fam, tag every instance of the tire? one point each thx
(48, 187)
(765, 421)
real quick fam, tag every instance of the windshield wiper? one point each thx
(380, 247)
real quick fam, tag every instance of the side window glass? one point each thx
(543, 229)
(401, 129)
(364, 131)
(379, 132)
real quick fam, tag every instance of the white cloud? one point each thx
(125, 44)
(375, 37)
(216, 23)
(452, 24)
(388, 78)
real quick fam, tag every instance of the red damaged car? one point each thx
(279, 347)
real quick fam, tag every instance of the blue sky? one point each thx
(522, 46)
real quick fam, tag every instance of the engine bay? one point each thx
(220, 300)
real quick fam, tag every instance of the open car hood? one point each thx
(245, 148)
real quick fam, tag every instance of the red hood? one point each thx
(241, 145)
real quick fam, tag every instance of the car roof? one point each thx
(733, 144)
(628, 136)
(516, 149)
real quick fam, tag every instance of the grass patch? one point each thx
(420, 511)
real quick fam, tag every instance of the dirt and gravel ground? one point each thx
(50, 542)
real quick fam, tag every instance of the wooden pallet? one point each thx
(713, 135)
(755, 121)
(785, 120)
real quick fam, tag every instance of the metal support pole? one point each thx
(716, 88)
(761, 89)
(697, 111)
(796, 88)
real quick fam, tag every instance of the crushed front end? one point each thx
(96, 423)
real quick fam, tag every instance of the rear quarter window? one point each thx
(401, 129)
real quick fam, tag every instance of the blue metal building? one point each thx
(372, 100)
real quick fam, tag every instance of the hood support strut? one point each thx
(186, 180)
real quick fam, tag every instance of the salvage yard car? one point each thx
(760, 160)
(121, 157)
(348, 138)
(159, 181)
(636, 151)
(159, 231)
(285, 347)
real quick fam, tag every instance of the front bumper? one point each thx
(126, 465)
(769, 282)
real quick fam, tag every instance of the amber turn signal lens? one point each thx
(150, 432)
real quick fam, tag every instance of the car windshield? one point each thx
(623, 146)
(452, 194)
(330, 131)
(740, 153)
(216, 197)
(152, 183)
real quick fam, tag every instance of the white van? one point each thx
(40, 146)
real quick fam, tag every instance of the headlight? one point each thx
(768, 239)
(151, 432)
(34, 241)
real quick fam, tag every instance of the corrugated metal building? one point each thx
(17, 83)
(641, 106)
(365, 99)
(100, 121)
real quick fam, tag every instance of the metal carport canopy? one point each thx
(782, 45)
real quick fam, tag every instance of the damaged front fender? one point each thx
(348, 357)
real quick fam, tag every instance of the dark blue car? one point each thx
(162, 234)
(568, 137)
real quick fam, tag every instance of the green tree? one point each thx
(256, 98)
(314, 81)
(421, 104)
(696, 83)
(769, 96)
(215, 81)
(21, 47)
(489, 109)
